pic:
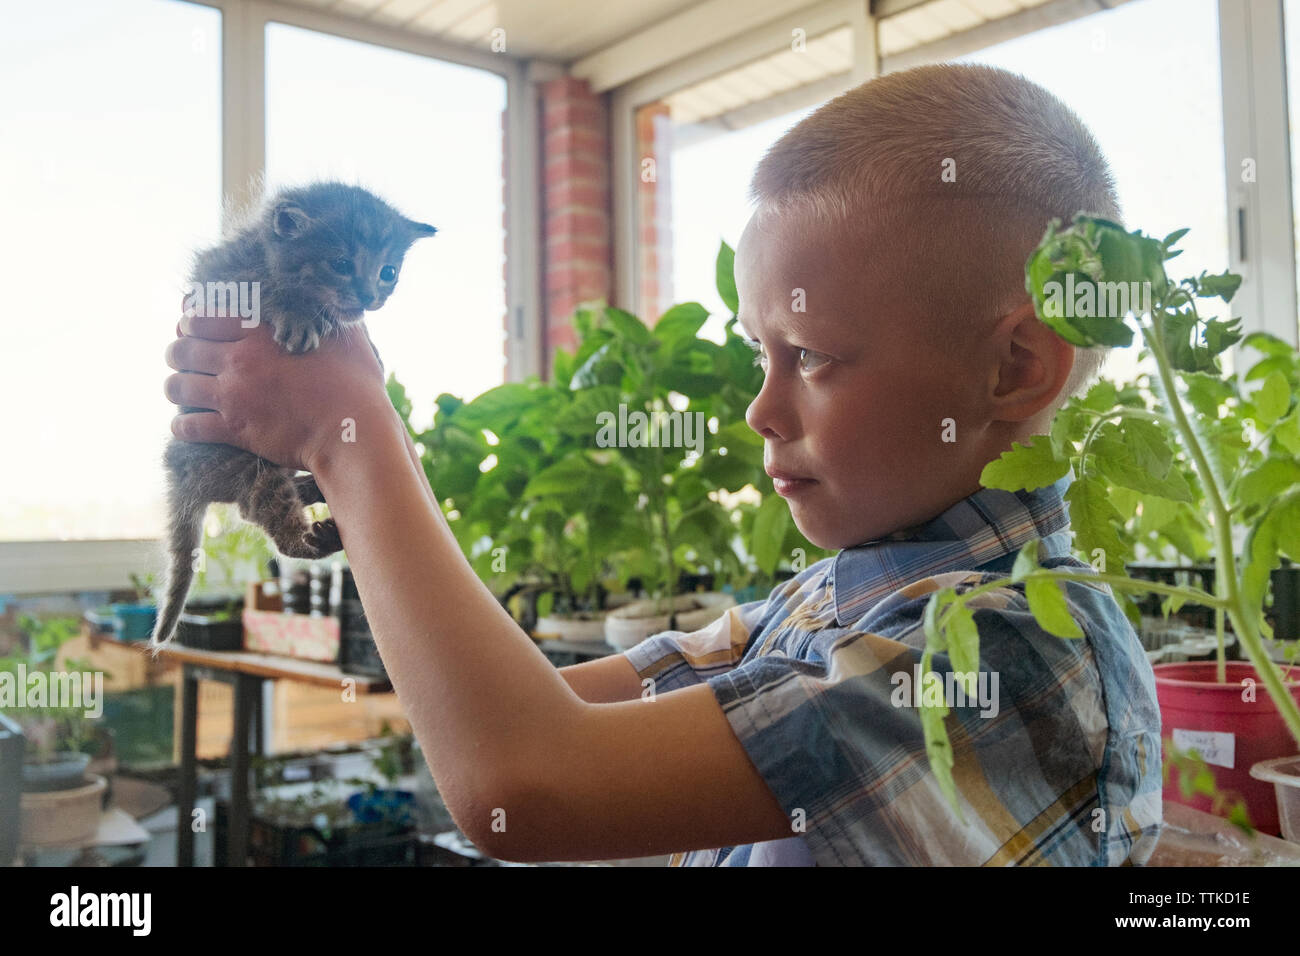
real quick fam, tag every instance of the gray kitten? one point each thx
(314, 259)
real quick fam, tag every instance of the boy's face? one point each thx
(855, 398)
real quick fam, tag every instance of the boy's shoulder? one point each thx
(842, 687)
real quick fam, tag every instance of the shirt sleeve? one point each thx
(675, 659)
(835, 731)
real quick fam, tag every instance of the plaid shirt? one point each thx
(1061, 768)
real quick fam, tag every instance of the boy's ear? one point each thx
(1033, 365)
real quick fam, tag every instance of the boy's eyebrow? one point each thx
(799, 326)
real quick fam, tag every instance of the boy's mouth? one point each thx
(786, 483)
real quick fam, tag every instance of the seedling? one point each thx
(1187, 454)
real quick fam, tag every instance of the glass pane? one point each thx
(710, 189)
(117, 180)
(427, 136)
(1169, 51)
(1291, 29)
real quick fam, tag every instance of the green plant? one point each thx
(390, 761)
(533, 492)
(47, 728)
(239, 549)
(143, 585)
(1194, 458)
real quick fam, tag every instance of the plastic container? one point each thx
(357, 651)
(65, 770)
(396, 807)
(1233, 725)
(208, 633)
(1284, 774)
(135, 622)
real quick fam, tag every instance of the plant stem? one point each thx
(1243, 618)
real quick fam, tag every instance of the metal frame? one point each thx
(1256, 127)
(736, 51)
(62, 566)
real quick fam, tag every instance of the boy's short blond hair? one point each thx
(973, 161)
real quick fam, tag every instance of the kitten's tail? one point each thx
(184, 534)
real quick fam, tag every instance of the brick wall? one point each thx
(577, 218)
(654, 214)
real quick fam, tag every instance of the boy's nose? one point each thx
(764, 412)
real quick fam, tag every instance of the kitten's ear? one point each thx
(289, 220)
(419, 230)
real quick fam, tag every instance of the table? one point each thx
(246, 672)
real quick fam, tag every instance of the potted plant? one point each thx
(1187, 453)
(211, 619)
(60, 801)
(134, 620)
(385, 805)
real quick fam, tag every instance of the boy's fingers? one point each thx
(191, 390)
(202, 427)
(189, 354)
(218, 328)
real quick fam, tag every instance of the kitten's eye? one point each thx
(342, 266)
(387, 274)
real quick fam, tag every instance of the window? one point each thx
(710, 203)
(1168, 50)
(425, 135)
(117, 112)
(1291, 20)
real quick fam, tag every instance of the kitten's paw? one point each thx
(298, 338)
(323, 538)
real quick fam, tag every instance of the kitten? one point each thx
(315, 258)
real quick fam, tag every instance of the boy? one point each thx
(898, 217)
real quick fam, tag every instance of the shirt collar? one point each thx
(977, 531)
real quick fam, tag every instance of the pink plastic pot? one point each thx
(1231, 731)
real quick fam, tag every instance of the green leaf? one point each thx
(1173, 237)
(1093, 519)
(1271, 399)
(1266, 482)
(725, 271)
(680, 324)
(963, 640)
(1101, 397)
(1138, 457)
(1026, 561)
(1047, 603)
(1269, 344)
(1286, 433)
(769, 531)
(1224, 285)
(1025, 467)
(1278, 530)
(628, 326)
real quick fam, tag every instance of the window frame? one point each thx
(43, 567)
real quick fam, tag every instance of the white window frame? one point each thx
(1255, 127)
(1255, 123)
(28, 567)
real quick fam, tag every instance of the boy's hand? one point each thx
(289, 409)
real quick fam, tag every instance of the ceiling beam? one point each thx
(692, 31)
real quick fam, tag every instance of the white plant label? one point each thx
(1215, 748)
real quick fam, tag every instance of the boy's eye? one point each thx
(817, 357)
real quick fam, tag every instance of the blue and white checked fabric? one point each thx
(1057, 763)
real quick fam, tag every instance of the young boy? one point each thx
(881, 279)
